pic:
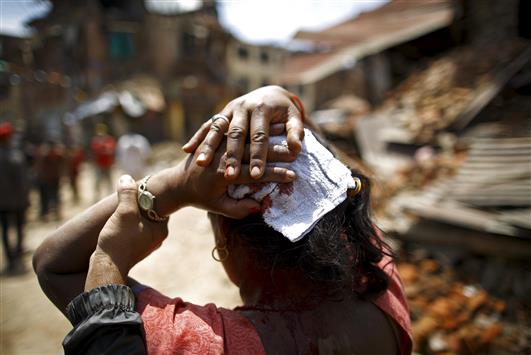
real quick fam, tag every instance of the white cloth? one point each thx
(321, 185)
(132, 152)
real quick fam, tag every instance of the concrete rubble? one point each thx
(433, 99)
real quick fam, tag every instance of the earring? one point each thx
(222, 253)
(354, 191)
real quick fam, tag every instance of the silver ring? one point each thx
(219, 116)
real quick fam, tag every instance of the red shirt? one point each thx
(173, 326)
(103, 149)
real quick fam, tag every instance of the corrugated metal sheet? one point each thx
(491, 191)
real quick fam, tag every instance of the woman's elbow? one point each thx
(40, 262)
(37, 263)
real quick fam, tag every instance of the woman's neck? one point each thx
(283, 290)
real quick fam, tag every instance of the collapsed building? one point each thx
(433, 99)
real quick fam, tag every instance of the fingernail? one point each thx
(279, 148)
(255, 210)
(255, 171)
(201, 157)
(291, 175)
(230, 171)
(126, 180)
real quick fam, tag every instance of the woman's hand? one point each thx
(260, 113)
(205, 186)
(127, 237)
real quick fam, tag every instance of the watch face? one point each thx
(145, 202)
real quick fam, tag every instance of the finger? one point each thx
(259, 137)
(271, 174)
(214, 137)
(294, 130)
(236, 143)
(127, 197)
(275, 154)
(277, 129)
(197, 138)
(238, 209)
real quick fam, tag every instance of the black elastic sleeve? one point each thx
(105, 322)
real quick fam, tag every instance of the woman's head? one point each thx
(341, 251)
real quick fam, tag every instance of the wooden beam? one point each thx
(491, 90)
(436, 233)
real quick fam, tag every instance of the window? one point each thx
(121, 45)
(243, 53)
(188, 43)
(264, 57)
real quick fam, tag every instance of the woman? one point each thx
(315, 293)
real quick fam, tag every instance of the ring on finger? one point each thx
(220, 116)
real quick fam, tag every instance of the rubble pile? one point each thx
(341, 116)
(427, 167)
(452, 317)
(432, 99)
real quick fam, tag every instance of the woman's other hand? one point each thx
(266, 111)
(205, 186)
(127, 237)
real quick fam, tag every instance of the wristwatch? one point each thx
(146, 201)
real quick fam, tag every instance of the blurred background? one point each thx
(431, 98)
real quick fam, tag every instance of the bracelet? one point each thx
(297, 102)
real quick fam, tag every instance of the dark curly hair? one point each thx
(342, 250)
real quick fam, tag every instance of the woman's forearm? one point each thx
(68, 249)
(103, 271)
(62, 260)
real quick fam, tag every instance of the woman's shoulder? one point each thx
(345, 327)
(394, 304)
(173, 325)
(150, 301)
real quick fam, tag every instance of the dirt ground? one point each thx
(29, 323)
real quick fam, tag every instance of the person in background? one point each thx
(132, 153)
(103, 147)
(14, 187)
(75, 157)
(49, 164)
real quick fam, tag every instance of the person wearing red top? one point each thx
(103, 147)
(75, 156)
(336, 290)
(49, 165)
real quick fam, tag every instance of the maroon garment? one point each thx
(75, 158)
(49, 163)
